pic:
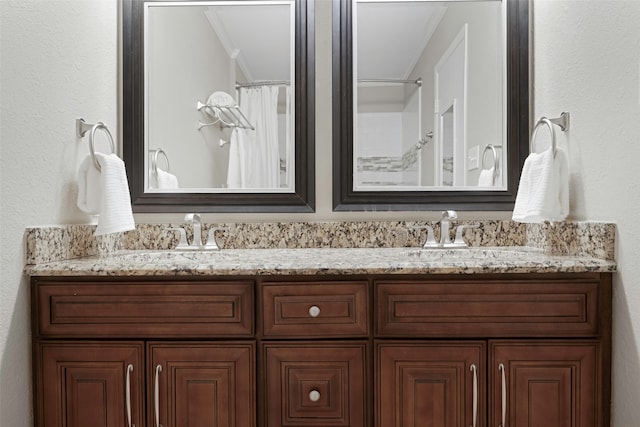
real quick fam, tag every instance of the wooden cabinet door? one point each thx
(201, 384)
(90, 384)
(544, 384)
(315, 384)
(430, 384)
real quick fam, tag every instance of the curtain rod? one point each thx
(417, 82)
(265, 83)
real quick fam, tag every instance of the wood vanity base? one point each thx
(323, 351)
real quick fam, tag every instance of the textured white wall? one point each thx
(587, 62)
(59, 62)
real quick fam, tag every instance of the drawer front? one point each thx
(144, 309)
(495, 308)
(316, 309)
(309, 384)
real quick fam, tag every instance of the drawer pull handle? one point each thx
(475, 394)
(157, 395)
(314, 395)
(504, 395)
(314, 311)
(128, 394)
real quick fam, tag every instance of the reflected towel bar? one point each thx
(494, 151)
(231, 116)
(154, 160)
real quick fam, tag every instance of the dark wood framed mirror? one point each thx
(349, 192)
(299, 194)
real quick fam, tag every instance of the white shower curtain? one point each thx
(254, 159)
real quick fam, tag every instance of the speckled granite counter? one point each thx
(314, 261)
(363, 247)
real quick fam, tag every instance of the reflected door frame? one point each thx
(449, 94)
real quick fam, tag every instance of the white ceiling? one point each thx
(391, 36)
(258, 36)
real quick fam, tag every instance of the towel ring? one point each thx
(549, 123)
(154, 160)
(82, 128)
(496, 160)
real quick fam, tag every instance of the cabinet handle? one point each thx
(475, 394)
(504, 395)
(314, 311)
(157, 395)
(128, 394)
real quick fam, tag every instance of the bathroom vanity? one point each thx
(323, 337)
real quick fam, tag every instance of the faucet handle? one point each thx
(196, 222)
(431, 240)
(182, 244)
(459, 242)
(212, 243)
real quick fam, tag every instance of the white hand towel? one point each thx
(166, 180)
(543, 194)
(497, 178)
(486, 177)
(105, 193)
(237, 165)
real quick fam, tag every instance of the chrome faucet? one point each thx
(196, 221)
(445, 224)
(196, 242)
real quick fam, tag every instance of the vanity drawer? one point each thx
(491, 308)
(315, 309)
(115, 308)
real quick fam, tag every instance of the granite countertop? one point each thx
(316, 261)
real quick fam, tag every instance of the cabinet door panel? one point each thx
(547, 384)
(85, 384)
(429, 384)
(202, 384)
(312, 384)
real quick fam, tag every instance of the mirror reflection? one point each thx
(429, 95)
(219, 108)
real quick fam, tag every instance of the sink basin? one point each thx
(199, 256)
(453, 254)
(318, 258)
